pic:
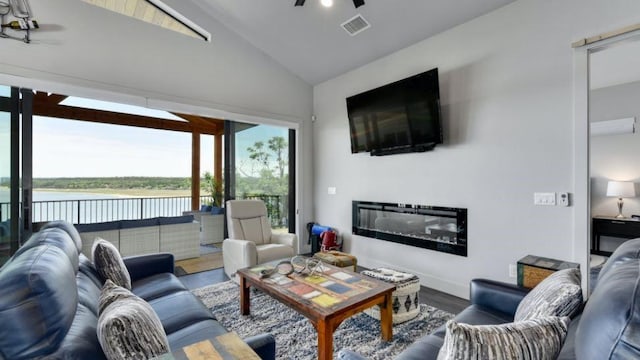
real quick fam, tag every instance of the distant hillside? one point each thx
(159, 183)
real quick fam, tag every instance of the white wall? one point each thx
(87, 51)
(614, 157)
(506, 91)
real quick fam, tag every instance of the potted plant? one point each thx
(214, 188)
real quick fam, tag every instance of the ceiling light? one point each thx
(326, 3)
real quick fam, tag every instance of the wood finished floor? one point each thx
(203, 263)
(438, 299)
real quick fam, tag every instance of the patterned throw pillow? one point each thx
(128, 328)
(109, 264)
(559, 294)
(535, 339)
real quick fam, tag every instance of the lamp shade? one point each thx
(621, 189)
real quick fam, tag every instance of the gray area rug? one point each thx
(295, 336)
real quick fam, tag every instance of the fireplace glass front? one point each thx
(430, 227)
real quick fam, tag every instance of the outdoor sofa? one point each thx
(178, 235)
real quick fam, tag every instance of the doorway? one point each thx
(599, 90)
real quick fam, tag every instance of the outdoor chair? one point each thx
(251, 240)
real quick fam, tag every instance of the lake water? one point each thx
(90, 208)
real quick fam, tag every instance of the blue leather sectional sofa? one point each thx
(606, 329)
(49, 301)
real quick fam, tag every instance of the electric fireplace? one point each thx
(430, 227)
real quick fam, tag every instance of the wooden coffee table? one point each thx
(326, 299)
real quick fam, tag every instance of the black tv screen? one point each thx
(403, 116)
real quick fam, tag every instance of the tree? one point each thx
(269, 165)
(278, 145)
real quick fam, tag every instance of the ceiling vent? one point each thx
(355, 25)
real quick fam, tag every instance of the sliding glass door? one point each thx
(260, 165)
(9, 168)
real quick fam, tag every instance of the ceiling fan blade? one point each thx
(358, 3)
(299, 2)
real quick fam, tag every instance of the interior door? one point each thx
(260, 164)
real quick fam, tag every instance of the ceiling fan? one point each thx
(356, 3)
(20, 10)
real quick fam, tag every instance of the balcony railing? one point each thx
(87, 211)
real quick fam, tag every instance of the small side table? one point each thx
(228, 346)
(533, 269)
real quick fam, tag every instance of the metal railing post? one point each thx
(78, 202)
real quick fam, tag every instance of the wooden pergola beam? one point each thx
(49, 105)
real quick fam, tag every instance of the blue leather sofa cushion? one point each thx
(68, 228)
(628, 250)
(55, 237)
(170, 310)
(610, 322)
(39, 302)
(155, 286)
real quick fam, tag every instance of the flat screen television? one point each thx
(400, 117)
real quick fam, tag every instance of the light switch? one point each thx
(544, 199)
(331, 190)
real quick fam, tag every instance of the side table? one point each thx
(533, 269)
(228, 346)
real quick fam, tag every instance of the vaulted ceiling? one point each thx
(309, 41)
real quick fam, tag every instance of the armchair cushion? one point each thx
(270, 252)
(247, 220)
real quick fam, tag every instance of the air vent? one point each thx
(355, 25)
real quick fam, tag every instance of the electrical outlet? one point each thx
(513, 271)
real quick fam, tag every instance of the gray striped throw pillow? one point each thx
(109, 264)
(128, 328)
(535, 339)
(560, 294)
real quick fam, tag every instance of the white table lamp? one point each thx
(621, 189)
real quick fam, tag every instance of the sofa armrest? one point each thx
(264, 345)
(349, 355)
(285, 239)
(496, 295)
(142, 266)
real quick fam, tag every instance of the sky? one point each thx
(70, 148)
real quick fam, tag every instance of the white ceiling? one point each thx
(310, 42)
(615, 65)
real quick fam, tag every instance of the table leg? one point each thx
(245, 300)
(386, 318)
(325, 341)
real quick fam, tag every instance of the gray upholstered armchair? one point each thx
(251, 241)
